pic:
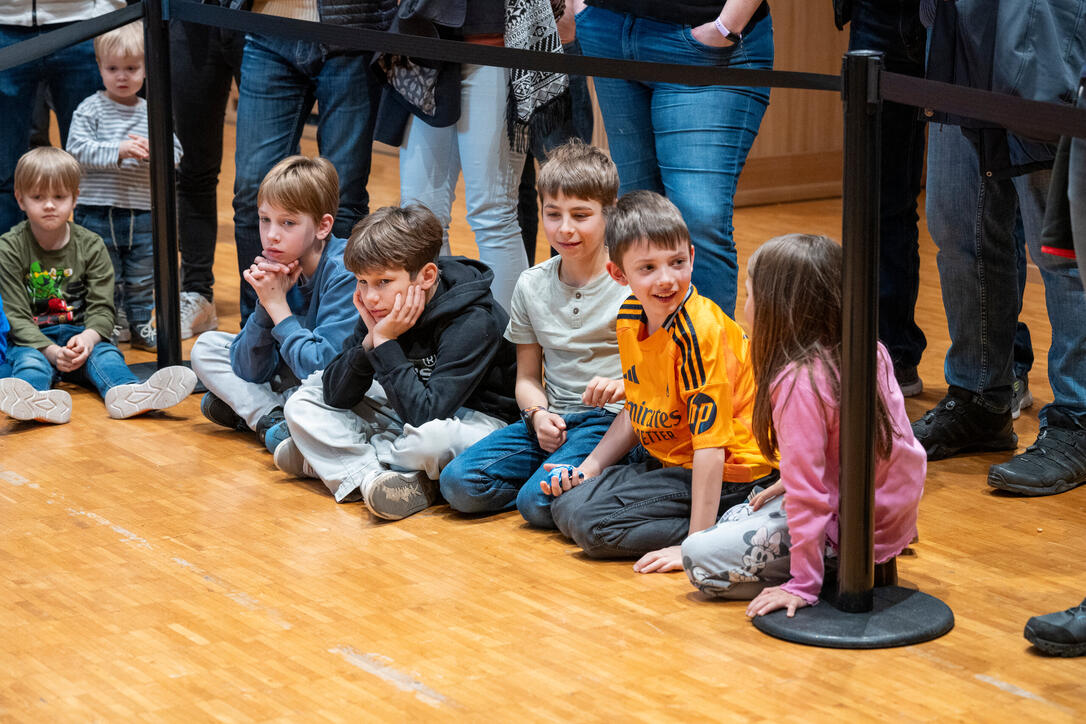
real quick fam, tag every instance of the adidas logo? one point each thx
(631, 375)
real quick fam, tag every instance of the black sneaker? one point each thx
(1055, 463)
(1059, 634)
(267, 422)
(220, 413)
(961, 423)
(908, 379)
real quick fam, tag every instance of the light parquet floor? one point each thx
(161, 569)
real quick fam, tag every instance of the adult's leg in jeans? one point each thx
(1066, 303)
(491, 171)
(1023, 343)
(1076, 192)
(273, 103)
(211, 363)
(347, 96)
(971, 221)
(702, 138)
(429, 168)
(72, 74)
(485, 478)
(17, 85)
(203, 61)
(894, 28)
(626, 105)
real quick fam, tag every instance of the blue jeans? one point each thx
(127, 234)
(71, 74)
(893, 27)
(972, 221)
(504, 469)
(104, 368)
(280, 80)
(686, 142)
(1076, 192)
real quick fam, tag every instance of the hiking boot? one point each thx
(1059, 634)
(275, 434)
(214, 409)
(288, 458)
(197, 314)
(19, 400)
(144, 337)
(909, 380)
(165, 388)
(394, 495)
(1053, 464)
(961, 423)
(1022, 397)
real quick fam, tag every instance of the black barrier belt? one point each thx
(459, 52)
(54, 40)
(1030, 118)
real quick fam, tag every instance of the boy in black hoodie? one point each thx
(425, 375)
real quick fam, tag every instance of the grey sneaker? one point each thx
(1022, 398)
(289, 459)
(165, 388)
(394, 495)
(144, 337)
(197, 315)
(120, 328)
(19, 400)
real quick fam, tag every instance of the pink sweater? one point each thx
(808, 435)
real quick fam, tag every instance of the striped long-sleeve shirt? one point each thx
(99, 125)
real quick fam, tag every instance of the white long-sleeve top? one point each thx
(99, 125)
(43, 12)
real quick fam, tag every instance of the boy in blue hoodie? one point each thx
(425, 375)
(304, 311)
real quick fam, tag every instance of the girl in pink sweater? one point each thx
(793, 310)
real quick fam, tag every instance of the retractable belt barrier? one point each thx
(41, 46)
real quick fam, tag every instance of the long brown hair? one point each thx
(796, 280)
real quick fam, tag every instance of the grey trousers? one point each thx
(347, 448)
(211, 362)
(630, 510)
(743, 553)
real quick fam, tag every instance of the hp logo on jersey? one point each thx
(701, 413)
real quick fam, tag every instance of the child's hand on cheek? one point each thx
(367, 318)
(405, 312)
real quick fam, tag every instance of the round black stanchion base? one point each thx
(900, 617)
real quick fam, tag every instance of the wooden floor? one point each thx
(162, 569)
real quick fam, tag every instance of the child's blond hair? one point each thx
(579, 170)
(302, 185)
(123, 42)
(644, 217)
(47, 169)
(394, 237)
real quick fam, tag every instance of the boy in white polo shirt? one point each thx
(562, 320)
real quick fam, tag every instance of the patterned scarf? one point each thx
(530, 25)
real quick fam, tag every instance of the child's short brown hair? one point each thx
(47, 169)
(302, 185)
(123, 42)
(579, 170)
(644, 217)
(394, 237)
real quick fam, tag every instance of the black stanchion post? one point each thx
(861, 616)
(859, 329)
(163, 199)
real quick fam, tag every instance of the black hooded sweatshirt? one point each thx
(455, 356)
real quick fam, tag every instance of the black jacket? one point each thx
(455, 356)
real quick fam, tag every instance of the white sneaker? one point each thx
(290, 460)
(18, 399)
(165, 388)
(394, 495)
(197, 315)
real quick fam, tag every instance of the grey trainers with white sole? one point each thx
(288, 458)
(19, 400)
(394, 495)
(165, 388)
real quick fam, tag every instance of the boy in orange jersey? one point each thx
(689, 401)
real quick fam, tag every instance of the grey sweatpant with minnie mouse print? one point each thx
(746, 551)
